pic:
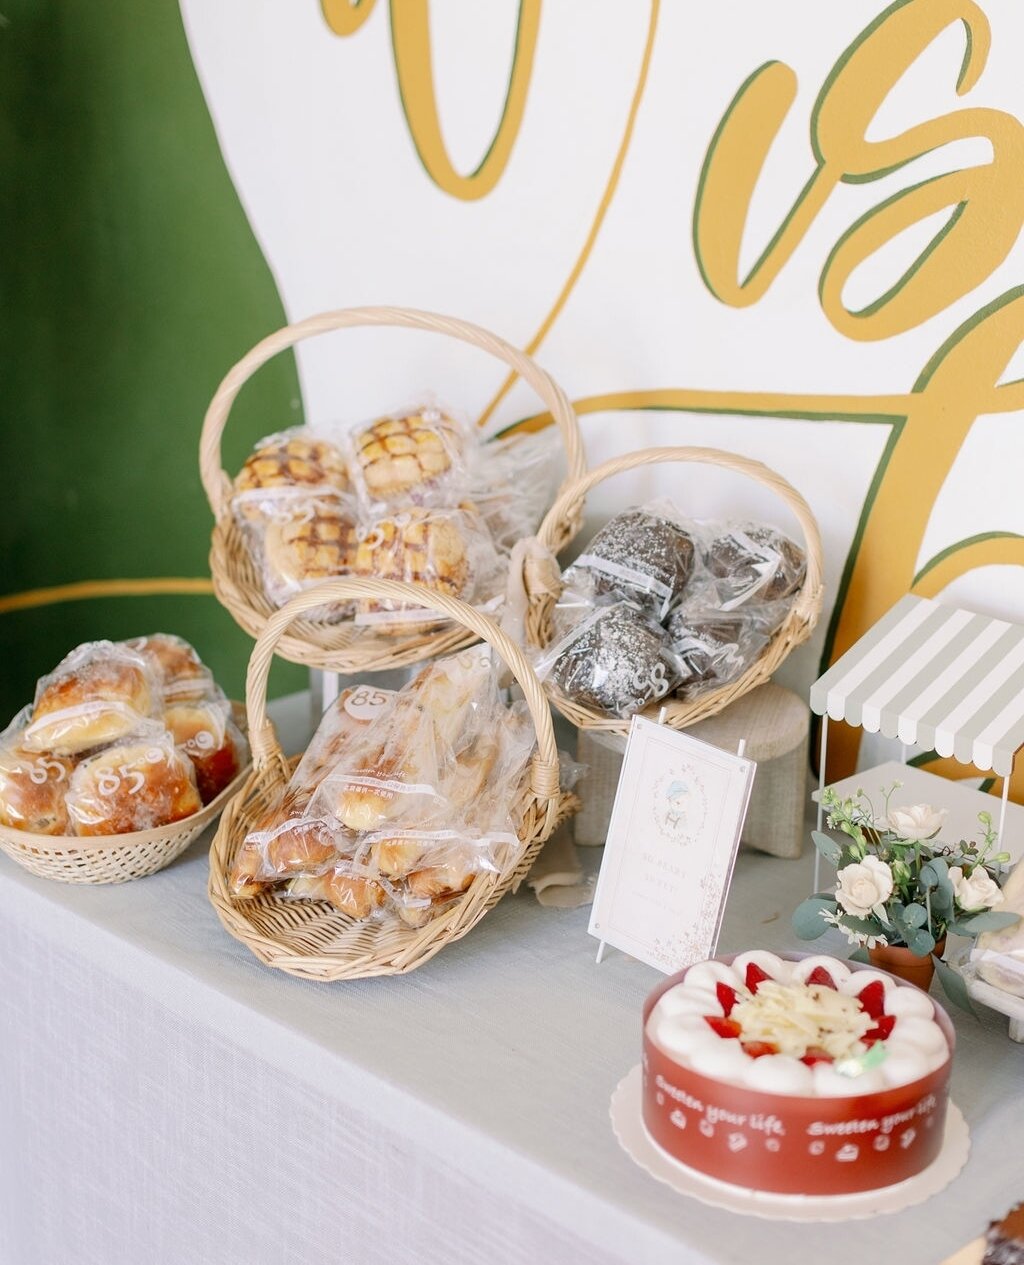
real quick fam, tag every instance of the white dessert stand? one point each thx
(627, 1121)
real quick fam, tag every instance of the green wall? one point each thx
(129, 283)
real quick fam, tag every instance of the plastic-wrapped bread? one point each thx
(32, 784)
(294, 464)
(208, 735)
(98, 693)
(289, 838)
(349, 891)
(136, 785)
(754, 562)
(182, 674)
(999, 955)
(514, 481)
(416, 457)
(646, 555)
(447, 550)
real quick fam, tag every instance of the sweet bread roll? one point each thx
(99, 693)
(133, 786)
(32, 790)
(210, 739)
(291, 462)
(395, 858)
(351, 893)
(182, 674)
(469, 776)
(407, 456)
(245, 878)
(447, 879)
(423, 546)
(317, 542)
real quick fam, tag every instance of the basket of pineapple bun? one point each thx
(409, 816)
(128, 751)
(413, 495)
(663, 614)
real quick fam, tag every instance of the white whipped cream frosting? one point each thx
(792, 1018)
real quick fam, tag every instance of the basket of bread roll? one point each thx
(662, 614)
(409, 816)
(414, 495)
(128, 751)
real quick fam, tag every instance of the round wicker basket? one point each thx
(237, 584)
(543, 586)
(111, 858)
(313, 939)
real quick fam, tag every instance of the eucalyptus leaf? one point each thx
(861, 955)
(915, 915)
(954, 986)
(933, 872)
(828, 847)
(807, 921)
(865, 926)
(920, 942)
(990, 920)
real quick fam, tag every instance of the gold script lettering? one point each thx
(986, 202)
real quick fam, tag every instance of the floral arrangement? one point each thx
(895, 887)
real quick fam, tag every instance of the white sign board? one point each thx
(672, 842)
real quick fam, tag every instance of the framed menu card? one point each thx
(672, 842)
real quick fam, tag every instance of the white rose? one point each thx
(919, 821)
(864, 885)
(974, 891)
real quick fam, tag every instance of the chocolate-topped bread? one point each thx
(617, 661)
(1004, 1242)
(640, 555)
(755, 560)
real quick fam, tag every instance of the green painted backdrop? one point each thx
(129, 283)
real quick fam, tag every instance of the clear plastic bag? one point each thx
(289, 839)
(514, 482)
(645, 555)
(753, 562)
(32, 784)
(306, 540)
(448, 550)
(98, 693)
(139, 784)
(349, 887)
(292, 465)
(182, 674)
(207, 733)
(617, 660)
(715, 646)
(417, 456)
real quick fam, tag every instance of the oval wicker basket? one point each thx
(111, 858)
(236, 581)
(542, 584)
(313, 939)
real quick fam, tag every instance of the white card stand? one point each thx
(740, 748)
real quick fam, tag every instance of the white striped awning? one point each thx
(937, 677)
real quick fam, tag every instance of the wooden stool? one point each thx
(776, 724)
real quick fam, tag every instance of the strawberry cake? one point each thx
(803, 1075)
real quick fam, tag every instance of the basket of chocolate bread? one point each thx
(664, 614)
(128, 751)
(411, 813)
(414, 496)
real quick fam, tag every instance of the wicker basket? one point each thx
(237, 584)
(313, 939)
(111, 858)
(543, 586)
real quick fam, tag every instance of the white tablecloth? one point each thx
(165, 1099)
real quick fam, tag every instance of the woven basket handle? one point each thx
(217, 483)
(570, 501)
(265, 748)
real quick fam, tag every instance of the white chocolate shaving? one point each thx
(799, 1017)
